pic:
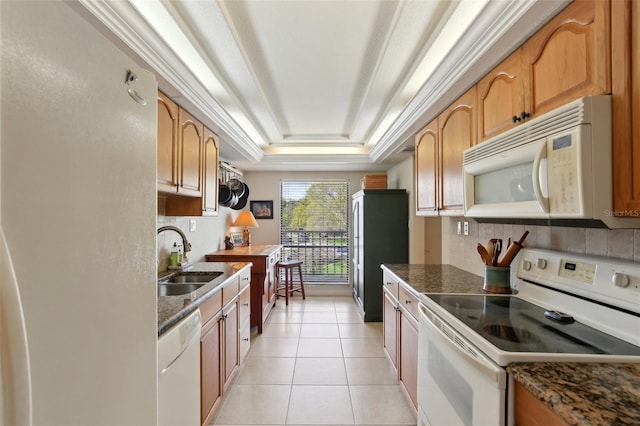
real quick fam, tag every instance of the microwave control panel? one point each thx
(563, 174)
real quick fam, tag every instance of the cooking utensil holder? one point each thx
(497, 279)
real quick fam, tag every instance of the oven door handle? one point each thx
(458, 342)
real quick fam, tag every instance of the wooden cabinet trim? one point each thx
(501, 97)
(167, 178)
(210, 159)
(591, 66)
(427, 200)
(530, 411)
(626, 105)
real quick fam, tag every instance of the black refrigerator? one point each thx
(380, 235)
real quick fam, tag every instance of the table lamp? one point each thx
(246, 220)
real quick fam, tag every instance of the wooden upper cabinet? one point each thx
(426, 157)
(569, 57)
(438, 154)
(167, 144)
(457, 132)
(501, 97)
(180, 150)
(210, 177)
(626, 105)
(190, 135)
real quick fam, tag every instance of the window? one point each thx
(314, 228)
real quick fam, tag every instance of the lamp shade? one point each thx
(246, 219)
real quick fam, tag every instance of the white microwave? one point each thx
(557, 167)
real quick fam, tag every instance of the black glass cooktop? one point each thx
(515, 325)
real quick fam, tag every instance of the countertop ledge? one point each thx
(580, 393)
(172, 309)
(584, 393)
(436, 278)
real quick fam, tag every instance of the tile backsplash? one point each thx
(460, 250)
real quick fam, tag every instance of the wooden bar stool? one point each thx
(289, 287)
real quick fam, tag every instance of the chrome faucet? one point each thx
(185, 243)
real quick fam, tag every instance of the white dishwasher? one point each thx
(179, 373)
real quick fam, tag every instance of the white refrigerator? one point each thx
(78, 210)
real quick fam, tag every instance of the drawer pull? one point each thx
(407, 301)
(246, 339)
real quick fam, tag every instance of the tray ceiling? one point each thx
(319, 84)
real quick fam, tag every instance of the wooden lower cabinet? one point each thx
(263, 276)
(210, 367)
(408, 371)
(231, 341)
(401, 335)
(222, 348)
(530, 411)
(390, 329)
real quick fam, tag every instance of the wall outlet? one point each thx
(192, 225)
(459, 230)
(466, 228)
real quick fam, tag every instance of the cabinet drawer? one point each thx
(210, 307)
(245, 306)
(390, 285)
(408, 301)
(245, 340)
(230, 290)
(245, 279)
(273, 259)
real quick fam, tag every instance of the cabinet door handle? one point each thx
(407, 302)
(524, 115)
(246, 339)
(515, 119)
(245, 304)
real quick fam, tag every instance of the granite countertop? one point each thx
(172, 309)
(580, 393)
(584, 393)
(436, 278)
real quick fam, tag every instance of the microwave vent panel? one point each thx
(565, 117)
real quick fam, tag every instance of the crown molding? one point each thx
(495, 34)
(124, 21)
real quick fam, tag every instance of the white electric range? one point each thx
(565, 307)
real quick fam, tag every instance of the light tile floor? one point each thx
(316, 363)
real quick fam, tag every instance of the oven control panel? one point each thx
(612, 281)
(578, 271)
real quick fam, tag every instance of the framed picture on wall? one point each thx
(262, 209)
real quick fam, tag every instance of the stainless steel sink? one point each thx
(178, 289)
(185, 282)
(192, 277)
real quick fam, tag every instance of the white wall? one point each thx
(207, 238)
(401, 176)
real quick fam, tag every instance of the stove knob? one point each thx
(541, 263)
(620, 280)
(526, 265)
